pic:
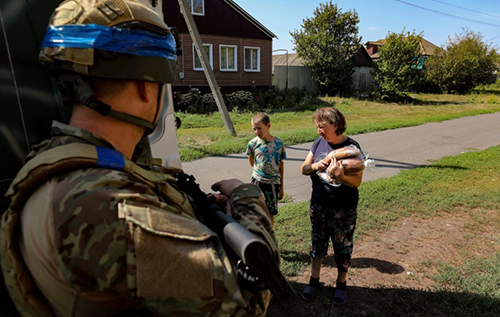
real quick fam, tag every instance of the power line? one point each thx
(493, 38)
(447, 14)
(452, 5)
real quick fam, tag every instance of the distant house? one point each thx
(289, 72)
(300, 76)
(238, 46)
(426, 50)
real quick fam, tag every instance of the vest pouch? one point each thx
(171, 252)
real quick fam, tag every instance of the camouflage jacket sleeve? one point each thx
(116, 234)
(249, 209)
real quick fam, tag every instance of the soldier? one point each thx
(91, 233)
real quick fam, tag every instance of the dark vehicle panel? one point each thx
(28, 99)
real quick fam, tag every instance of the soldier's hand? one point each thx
(226, 186)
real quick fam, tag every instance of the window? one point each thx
(228, 58)
(196, 59)
(252, 59)
(197, 7)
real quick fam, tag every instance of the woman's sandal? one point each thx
(309, 293)
(340, 297)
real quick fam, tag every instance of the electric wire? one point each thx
(448, 14)
(453, 5)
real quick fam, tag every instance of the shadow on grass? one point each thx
(408, 166)
(364, 301)
(490, 91)
(382, 266)
(296, 257)
(437, 103)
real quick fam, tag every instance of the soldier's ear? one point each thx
(146, 91)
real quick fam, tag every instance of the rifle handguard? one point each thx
(248, 247)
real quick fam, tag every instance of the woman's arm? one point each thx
(309, 167)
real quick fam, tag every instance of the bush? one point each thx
(396, 71)
(467, 62)
(190, 102)
(241, 100)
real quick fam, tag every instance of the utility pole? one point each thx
(198, 45)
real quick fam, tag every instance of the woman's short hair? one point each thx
(333, 116)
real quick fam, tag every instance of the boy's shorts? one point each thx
(271, 192)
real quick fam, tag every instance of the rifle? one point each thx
(252, 256)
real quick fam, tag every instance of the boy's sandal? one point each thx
(340, 297)
(309, 293)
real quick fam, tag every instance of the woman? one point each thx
(333, 207)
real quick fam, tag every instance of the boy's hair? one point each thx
(333, 116)
(261, 117)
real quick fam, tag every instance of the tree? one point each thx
(396, 71)
(466, 63)
(327, 43)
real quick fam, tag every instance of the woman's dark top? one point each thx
(323, 192)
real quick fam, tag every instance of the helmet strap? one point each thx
(158, 108)
(74, 87)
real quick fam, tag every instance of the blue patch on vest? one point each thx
(108, 158)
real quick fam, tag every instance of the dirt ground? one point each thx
(391, 272)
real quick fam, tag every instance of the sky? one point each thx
(436, 19)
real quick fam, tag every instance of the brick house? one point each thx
(238, 46)
(426, 50)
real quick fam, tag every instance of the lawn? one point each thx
(462, 280)
(205, 135)
(430, 270)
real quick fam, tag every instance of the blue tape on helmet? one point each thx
(124, 41)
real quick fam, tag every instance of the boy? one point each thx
(266, 154)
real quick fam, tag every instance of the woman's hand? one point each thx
(336, 169)
(319, 166)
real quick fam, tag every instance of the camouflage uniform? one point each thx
(101, 241)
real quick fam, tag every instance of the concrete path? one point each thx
(392, 150)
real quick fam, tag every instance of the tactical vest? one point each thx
(57, 161)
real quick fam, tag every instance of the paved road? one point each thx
(392, 150)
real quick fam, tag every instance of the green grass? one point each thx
(469, 181)
(471, 290)
(205, 135)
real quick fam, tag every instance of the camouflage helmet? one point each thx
(113, 39)
(155, 61)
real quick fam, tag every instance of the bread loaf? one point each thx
(342, 153)
(350, 157)
(353, 165)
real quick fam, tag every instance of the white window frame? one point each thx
(190, 4)
(252, 48)
(210, 57)
(235, 56)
